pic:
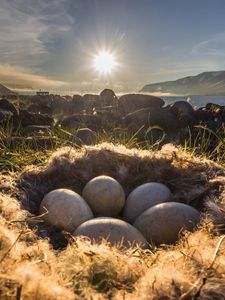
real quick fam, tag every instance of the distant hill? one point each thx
(4, 91)
(206, 83)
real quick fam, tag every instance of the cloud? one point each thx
(211, 47)
(18, 77)
(29, 29)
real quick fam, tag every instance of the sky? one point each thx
(51, 44)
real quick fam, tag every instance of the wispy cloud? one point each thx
(214, 46)
(27, 30)
(18, 77)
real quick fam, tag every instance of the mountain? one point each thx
(4, 91)
(206, 84)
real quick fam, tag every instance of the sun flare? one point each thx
(105, 62)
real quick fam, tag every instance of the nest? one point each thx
(194, 181)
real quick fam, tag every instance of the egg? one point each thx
(143, 197)
(113, 230)
(64, 209)
(162, 223)
(105, 196)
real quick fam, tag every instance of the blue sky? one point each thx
(50, 44)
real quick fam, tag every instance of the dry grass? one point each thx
(31, 268)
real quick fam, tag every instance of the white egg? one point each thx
(113, 230)
(143, 197)
(161, 224)
(65, 209)
(105, 196)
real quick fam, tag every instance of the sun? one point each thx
(105, 62)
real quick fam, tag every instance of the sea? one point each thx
(196, 101)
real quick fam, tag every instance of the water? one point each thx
(196, 101)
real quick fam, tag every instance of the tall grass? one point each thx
(206, 142)
(18, 151)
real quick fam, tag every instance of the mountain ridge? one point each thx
(211, 83)
(4, 91)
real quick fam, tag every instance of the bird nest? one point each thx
(194, 181)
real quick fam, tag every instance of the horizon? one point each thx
(55, 46)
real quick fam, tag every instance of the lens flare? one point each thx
(105, 62)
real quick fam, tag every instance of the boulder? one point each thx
(61, 105)
(212, 106)
(91, 101)
(115, 231)
(8, 106)
(132, 102)
(5, 116)
(26, 118)
(202, 115)
(40, 109)
(162, 223)
(108, 97)
(81, 120)
(182, 107)
(144, 197)
(77, 104)
(148, 117)
(84, 136)
(184, 112)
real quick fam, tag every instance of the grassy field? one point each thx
(33, 267)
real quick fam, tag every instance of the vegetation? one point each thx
(34, 267)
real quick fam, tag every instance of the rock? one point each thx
(107, 93)
(186, 120)
(184, 112)
(212, 106)
(182, 107)
(155, 135)
(84, 136)
(5, 116)
(144, 197)
(35, 129)
(61, 106)
(40, 109)
(77, 104)
(132, 102)
(26, 118)
(161, 224)
(113, 230)
(148, 117)
(203, 116)
(81, 120)
(64, 209)
(40, 100)
(91, 98)
(91, 101)
(108, 97)
(104, 195)
(7, 106)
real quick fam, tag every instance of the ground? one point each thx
(38, 263)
